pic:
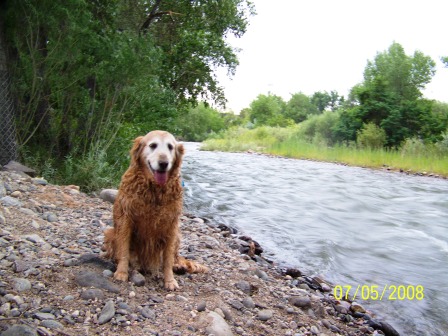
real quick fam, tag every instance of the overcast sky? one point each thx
(323, 45)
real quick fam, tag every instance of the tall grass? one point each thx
(414, 156)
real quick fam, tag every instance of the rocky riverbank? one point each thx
(53, 281)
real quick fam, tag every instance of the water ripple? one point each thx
(353, 225)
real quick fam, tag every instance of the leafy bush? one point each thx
(442, 145)
(319, 129)
(92, 171)
(371, 136)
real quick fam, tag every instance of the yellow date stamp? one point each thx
(377, 293)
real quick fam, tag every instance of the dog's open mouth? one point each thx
(160, 176)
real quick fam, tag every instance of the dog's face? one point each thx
(160, 153)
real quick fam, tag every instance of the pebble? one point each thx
(9, 201)
(44, 316)
(20, 330)
(107, 313)
(244, 286)
(21, 285)
(357, 308)
(248, 302)
(92, 279)
(201, 306)
(300, 301)
(40, 181)
(314, 330)
(51, 324)
(265, 314)
(34, 245)
(93, 293)
(217, 325)
(50, 217)
(137, 279)
(108, 195)
(148, 313)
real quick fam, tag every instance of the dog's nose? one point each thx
(163, 165)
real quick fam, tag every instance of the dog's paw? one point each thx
(122, 276)
(171, 285)
(200, 269)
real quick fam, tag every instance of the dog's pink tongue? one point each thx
(160, 177)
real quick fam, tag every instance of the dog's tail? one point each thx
(182, 266)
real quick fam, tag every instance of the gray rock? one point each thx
(148, 313)
(300, 301)
(20, 330)
(248, 302)
(236, 304)
(265, 314)
(314, 330)
(261, 274)
(325, 287)
(51, 324)
(108, 195)
(21, 285)
(44, 316)
(2, 220)
(91, 279)
(137, 279)
(357, 308)
(50, 217)
(93, 293)
(217, 325)
(388, 329)
(2, 190)
(107, 313)
(35, 238)
(27, 211)
(243, 286)
(201, 306)
(10, 201)
(20, 168)
(40, 181)
(341, 309)
(20, 266)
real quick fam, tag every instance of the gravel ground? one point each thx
(54, 282)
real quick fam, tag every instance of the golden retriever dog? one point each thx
(147, 209)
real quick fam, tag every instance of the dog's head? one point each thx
(159, 154)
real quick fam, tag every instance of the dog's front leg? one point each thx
(123, 243)
(168, 262)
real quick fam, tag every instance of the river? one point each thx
(352, 225)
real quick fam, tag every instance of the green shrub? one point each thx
(319, 129)
(371, 136)
(413, 147)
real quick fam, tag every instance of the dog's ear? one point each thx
(179, 155)
(180, 150)
(136, 149)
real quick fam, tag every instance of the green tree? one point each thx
(403, 75)
(321, 100)
(268, 110)
(90, 75)
(299, 107)
(390, 97)
(199, 122)
(192, 37)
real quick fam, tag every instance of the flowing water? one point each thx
(354, 226)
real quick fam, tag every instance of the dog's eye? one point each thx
(153, 146)
(170, 147)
